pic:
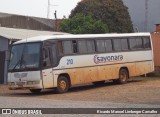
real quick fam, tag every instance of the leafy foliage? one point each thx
(81, 24)
(111, 12)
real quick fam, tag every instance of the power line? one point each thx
(48, 9)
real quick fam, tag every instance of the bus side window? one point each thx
(46, 57)
(67, 47)
(108, 44)
(100, 45)
(90, 46)
(124, 43)
(82, 46)
(139, 43)
(132, 43)
(117, 44)
(146, 43)
(70, 47)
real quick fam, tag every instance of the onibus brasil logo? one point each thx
(103, 59)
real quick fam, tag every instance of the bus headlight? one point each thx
(29, 83)
(33, 82)
(11, 83)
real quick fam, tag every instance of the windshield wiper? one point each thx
(21, 62)
(16, 64)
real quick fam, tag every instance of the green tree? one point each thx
(81, 24)
(111, 12)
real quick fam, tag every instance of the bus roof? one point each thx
(78, 36)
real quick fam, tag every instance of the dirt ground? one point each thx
(138, 90)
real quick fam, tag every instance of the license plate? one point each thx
(20, 84)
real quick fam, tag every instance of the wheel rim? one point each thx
(62, 85)
(123, 76)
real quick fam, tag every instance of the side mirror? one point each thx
(44, 63)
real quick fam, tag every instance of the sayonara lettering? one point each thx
(103, 59)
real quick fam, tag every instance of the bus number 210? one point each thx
(69, 61)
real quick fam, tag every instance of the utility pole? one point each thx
(48, 10)
(146, 15)
(49, 7)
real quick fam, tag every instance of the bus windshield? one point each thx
(25, 56)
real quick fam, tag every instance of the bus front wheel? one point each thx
(62, 84)
(123, 77)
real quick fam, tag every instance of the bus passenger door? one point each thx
(47, 74)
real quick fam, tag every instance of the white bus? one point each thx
(62, 61)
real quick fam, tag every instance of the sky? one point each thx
(38, 8)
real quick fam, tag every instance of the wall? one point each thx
(25, 22)
(4, 48)
(137, 12)
(156, 48)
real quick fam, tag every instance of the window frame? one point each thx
(63, 47)
(95, 39)
(132, 49)
(114, 44)
(142, 48)
(128, 49)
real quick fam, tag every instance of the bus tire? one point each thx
(35, 91)
(123, 77)
(99, 82)
(62, 84)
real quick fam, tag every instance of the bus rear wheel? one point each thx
(35, 91)
(62, 85)
(123, 77)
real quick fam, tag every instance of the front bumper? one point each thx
(25, 85)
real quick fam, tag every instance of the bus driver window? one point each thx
(46, 57)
